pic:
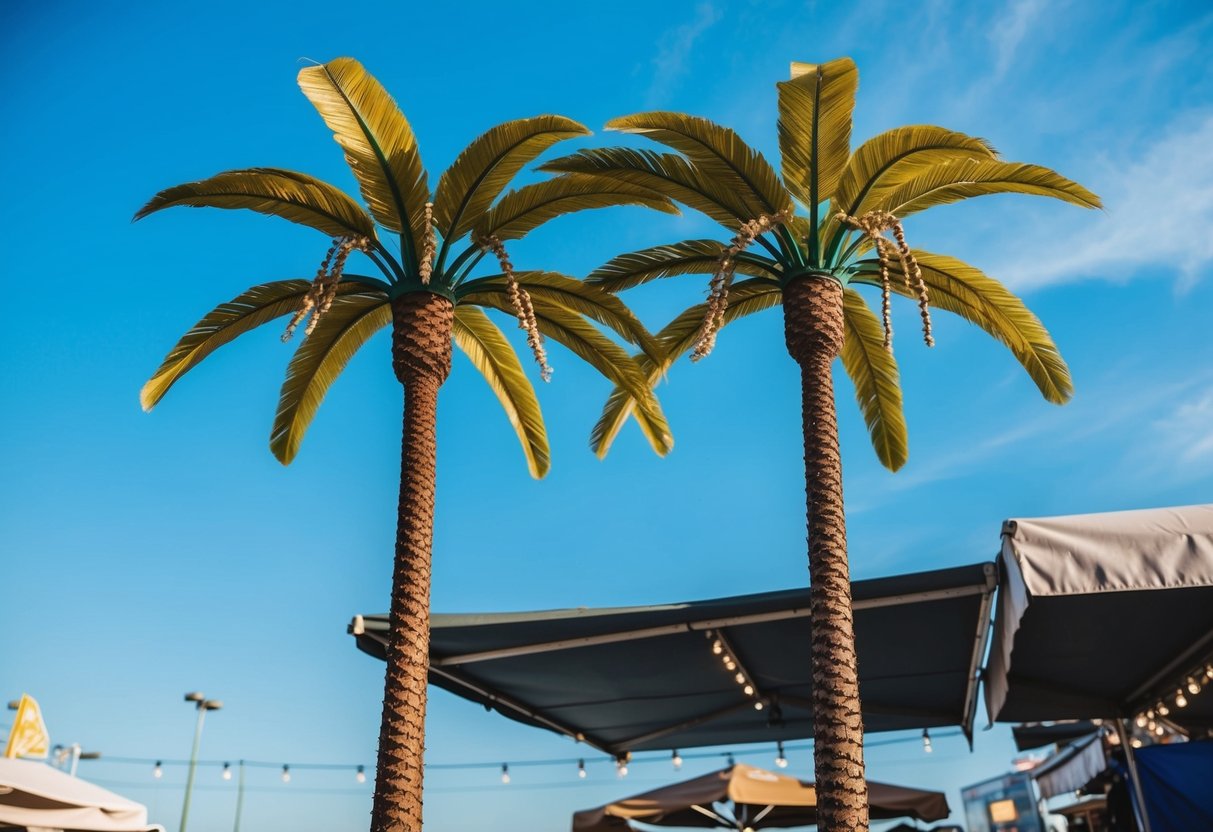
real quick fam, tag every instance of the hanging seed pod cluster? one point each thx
(520, 299)
(873, 224)
(726, 267)
(425, 268)
(323, 291)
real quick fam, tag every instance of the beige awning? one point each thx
(34, 795)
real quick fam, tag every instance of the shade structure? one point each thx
(1072, 767)
(1104, 615)
(34, 795)
(723, 671)
(1037, 735)
(748, 798)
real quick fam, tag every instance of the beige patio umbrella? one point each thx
(746, 798)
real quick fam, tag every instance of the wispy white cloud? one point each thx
(1159, 212)
(674, 50)
(1009, 30)
(1187, 432)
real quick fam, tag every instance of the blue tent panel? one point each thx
(1177, 781)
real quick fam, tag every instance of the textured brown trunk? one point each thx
(421, 357)
(814, 329)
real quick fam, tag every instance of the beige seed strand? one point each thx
(426, 267)
(520, 299)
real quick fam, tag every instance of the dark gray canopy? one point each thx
(643, 678)
(1104, 615)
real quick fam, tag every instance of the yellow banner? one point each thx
(28, 737)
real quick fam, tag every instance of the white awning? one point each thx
(32, 794)
(1071, 768)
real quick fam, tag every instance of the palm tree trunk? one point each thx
(813, 330)
(421, 357)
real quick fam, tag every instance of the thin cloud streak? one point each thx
(1010, 29)
(674, 51)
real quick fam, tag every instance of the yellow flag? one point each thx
(28, 737)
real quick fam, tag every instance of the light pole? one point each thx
(203, 705)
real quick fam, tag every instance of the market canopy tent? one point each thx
(34, 795)
(1038, 734)
(759, 800)
(644, 678)
(1105, 615)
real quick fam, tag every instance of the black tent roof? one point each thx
(642, 678)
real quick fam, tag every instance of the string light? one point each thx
(1135, 742)
(227, 771)
(926, 741)
(505, 774)
(581, 769)
(1162, 709)
(157, 772)
(1209, 671)
(758, 706)
(1142, 719)
(1193, 685)
(676, 760)
(717, 647)
(1158, 729)
(780, 760)
(1181, 701)
(621, 766)
(749, 690)
(360, 774)
(286, 774)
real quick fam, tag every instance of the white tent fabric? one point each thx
(1071, 768)
(34, 795)
(1089, 555)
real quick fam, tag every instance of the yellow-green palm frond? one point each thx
(379, 144)
(494, 357)
(717, 151)
(293, 196)
(485, 168)
(520, 212)
(666, 173)
(873, 371)
(351, 321)
(815, 127)
(573, 295)
(687, 257)
(964, 290)
(745, 298)
(954, 181)
(225, 323)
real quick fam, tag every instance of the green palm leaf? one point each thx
(953, 181)
(379, 144)
(293, 196)
(687, 257)
(351, 321)
(482, 171)
(716, 150)
(964, 290)
(573, 295)
(815, 127)
(494, 357)
(745, 298)
(665, 173)
(873, 371)
(225, 323)
(522, 211)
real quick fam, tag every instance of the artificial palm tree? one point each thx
(425, 292)
(811, 263)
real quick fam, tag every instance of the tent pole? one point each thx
(1131, 760)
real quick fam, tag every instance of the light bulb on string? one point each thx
(1141, 720)
(286, 774)
(505, 774)
(676, 760)
(748, 690)
(1135, 742)
(926, 741)
(227, 771)
(621, 767)
(1193, 685)
(581, 769)
(1209, 671)
(1162, 709)
(758, 706)
(1158, 729)
(780, 760)
(1150, 726)
(360, 774)
(157, 771)
(717, 647)
(739, 678)
(1181, 701)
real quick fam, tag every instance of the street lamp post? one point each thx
(202, 704)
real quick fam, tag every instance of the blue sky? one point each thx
(147, 555)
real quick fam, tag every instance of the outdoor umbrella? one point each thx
(744, 797)
(34, 795)
(728, 670)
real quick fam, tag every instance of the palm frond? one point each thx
(666, 173)
(379, 144)
(815, 127)
(717, 151)
(494, 357)
(225, 323)
(687, 257)
(953, 181)
(485, 168)
(678, 336)
(964, 290)
(293, 196)
(873, 371)
(522, 211)
(351, 321)
(572, 294)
